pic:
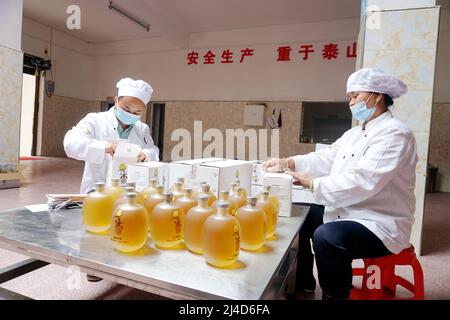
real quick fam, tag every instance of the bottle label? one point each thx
(177, 224)
(237, 241)
(118, 227)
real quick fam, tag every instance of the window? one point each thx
(324, 122)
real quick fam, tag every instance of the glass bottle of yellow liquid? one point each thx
(206, 189)
(129, 223)
(177, 189)
(197, 190)
(238, 199)
(221, 237)
(115, 190)
(271, 213)
(224, 196)
(253, 222)
(193, 224)
(123, 197)
(139, 195)
(97, 208)
(154, 199)
(150, 189)
(238, 185)
(273, 198)
(186, 202)
(167, 223)
(179, 180)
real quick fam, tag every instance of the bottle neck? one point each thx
(224, 197)
(222, 211)
(203, 203)
(131, 200)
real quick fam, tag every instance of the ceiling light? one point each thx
(124, 13)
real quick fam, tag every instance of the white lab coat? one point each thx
(88, 139)
(368, 176)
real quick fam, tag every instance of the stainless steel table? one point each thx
(60, 238)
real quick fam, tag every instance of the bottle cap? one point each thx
(222, 205)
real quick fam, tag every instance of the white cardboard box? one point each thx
(281, 186)
(300, 194)
(257, 173)
(186, 168)
(125, 155)
(219, 174)
(141, 173)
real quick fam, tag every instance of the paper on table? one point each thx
(37, 207)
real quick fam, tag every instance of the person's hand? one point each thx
(142, 157)
(302, 178)
(271, 165)
(111, 148)
(279, 165)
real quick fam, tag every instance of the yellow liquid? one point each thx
(274, 200)
(129, 230)
(232, 208)
(221, 239)
(237, 200)
(177, 190)
(151, 189)
(167, 224)
(177, 194)
(115, 192)
(244, 192)
(193, 225)
(140, 198)
(271, 215)
(97, 208)
(151, 202)
(186, 203)
(253, 224)
(211, 197)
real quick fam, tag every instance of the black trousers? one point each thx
(335, 244)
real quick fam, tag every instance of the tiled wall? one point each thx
(11, 65)
(60, 114)
(405, 45)
(229, 115)
(440, 145)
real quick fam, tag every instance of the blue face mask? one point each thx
(360, 110)
(126, 117)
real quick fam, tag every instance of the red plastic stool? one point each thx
(385, 288)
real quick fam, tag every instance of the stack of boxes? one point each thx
(219, 173)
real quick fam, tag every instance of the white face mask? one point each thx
(360, 110)
(126, 117)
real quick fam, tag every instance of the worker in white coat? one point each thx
(95, 137)
(364, 184)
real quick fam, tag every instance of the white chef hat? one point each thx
(376, 80)
(135, 88)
